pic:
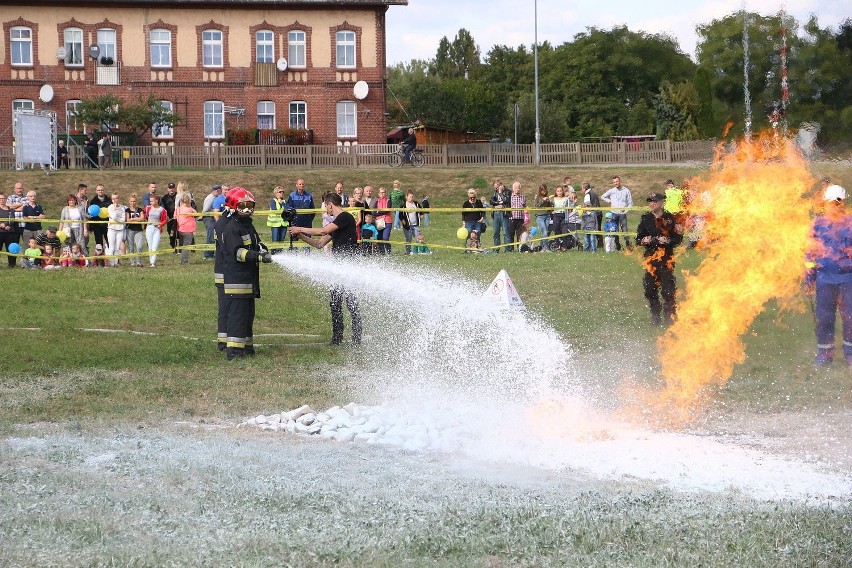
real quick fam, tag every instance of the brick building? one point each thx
(222, 64)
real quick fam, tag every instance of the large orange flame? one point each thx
(758, 221)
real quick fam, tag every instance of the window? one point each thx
(164, 130)
(298, 114)
(211, 46)
(265, 46)
(214, 119)
(345, 41)
(73, 47)
(347, 126)
(296, 49)
(21, 104)
(22, 46)
(265, 115)
(161, 48)
(106, 43)
(71, 124)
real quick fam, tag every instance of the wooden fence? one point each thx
(373, 155)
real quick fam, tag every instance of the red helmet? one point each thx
(237, 195)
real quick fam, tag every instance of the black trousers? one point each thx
(240, 320)
(171, 229)
(660, 281)
(100, 231)
(222, 316)
(516, 227)
(338, 296)
(6, 239)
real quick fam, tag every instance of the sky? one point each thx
(413, 31)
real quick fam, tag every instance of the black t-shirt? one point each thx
(345, 239)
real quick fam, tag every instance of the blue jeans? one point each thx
(543, 223)
(278, 234)
(830, 298)
(501, 227)
(621, 220)
(384, 235)
(209, 223)
(591, 242)
(473, 226)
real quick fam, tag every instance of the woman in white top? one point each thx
(71, 221)
(115, 229)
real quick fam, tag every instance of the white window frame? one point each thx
(71, 117)
(73, 47)
(21, 104)
(297, 48)
(345, 45)
(297, 110)
(158, 40)
(214, 120)
(166, 131)
(212, 48)
(21, 37)
(264, 46)
(107, 38)
(347, 119)
(266, 109)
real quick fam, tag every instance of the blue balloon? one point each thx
(94, 210)
(534, 231)
(14, 248)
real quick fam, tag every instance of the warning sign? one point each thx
(503, 291)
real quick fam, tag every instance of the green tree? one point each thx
(459, 59)
(140, 116)
(677, 106)
(551, 120)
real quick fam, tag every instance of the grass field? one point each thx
(116, 447)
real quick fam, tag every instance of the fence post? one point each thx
(623, 150)
(490, 155)
(444, 159)
(217, 156)
(669, 151)
(263, 156)
(354, 148)
(309, 157)
(170, 157)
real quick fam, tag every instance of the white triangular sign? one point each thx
(503, 291)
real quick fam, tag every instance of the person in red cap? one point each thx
(659, 233)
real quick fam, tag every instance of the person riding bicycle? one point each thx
(409, 143)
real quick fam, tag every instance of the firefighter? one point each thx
(659, 233)
(241, 252)
(218, 278)
(830, 274)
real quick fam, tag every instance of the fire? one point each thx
(757, 226)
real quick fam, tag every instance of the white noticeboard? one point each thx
(35, 137)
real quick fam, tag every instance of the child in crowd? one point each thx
(589, 222)
(77, 256)
(32, 255)
(420, 247)
(65, 259)
(98, 258)
(49, 260)
(525, 238)
(609, 226)
(369, 233)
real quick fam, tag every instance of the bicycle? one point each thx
(396, 159)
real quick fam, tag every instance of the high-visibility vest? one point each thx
(275, 220)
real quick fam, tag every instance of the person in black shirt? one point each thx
(659, 232)
(409, 143)
(344, 243)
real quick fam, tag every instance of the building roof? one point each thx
(230, 3)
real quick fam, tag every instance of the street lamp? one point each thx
(535, 58)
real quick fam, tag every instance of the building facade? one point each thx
(221, 64)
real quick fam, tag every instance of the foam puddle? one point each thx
(449, 371)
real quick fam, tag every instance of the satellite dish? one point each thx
(94, 51)
(60, 52)
(360, 90)
(281, 64)
(45, 93)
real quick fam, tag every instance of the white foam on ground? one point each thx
(451, 372)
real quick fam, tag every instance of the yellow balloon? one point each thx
(63, 236)
(104, 214)
(461, 233)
